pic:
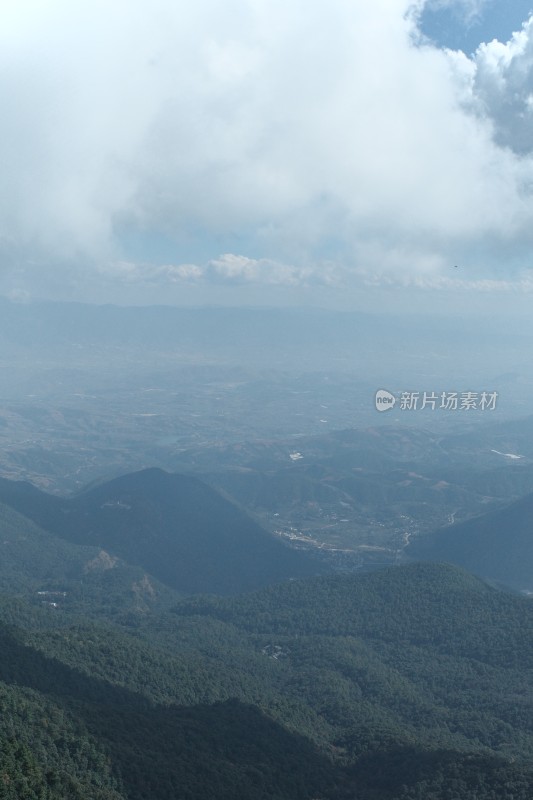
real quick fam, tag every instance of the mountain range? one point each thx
(411, 682)
(267, 681)
(175, 527)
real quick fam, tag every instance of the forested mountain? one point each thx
(497, 545)
(175, 527)
(404, 684)
(40, 567)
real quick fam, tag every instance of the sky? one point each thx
(360, 154)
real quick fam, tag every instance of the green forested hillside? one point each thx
(78, 578)
(409, 683)
(47, 752)
(175, 527)
(497, 545)
(65, 733)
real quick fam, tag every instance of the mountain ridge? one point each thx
(177, 528)
(497, 546)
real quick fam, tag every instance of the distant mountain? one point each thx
(497, 545)
(359, 495)
(175, 527)
(272, 332)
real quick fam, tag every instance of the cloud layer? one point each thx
(310, 145)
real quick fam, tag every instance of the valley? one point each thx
(217, 577)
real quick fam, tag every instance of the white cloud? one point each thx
(522, 284)
(503, 88)
(235, 268)
(128, 272)
(319, 142)
(229, 269)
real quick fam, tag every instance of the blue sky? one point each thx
(465, 26)
(282, 153)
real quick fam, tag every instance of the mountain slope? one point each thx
(497, 546)
(175, 527)
(92, 739)
(412, 682)
(39, 566)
